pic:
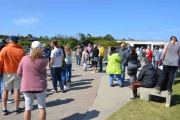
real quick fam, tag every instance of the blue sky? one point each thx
(137, 19)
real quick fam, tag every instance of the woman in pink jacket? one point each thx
(32, 68)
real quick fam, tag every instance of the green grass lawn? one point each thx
(153, 110)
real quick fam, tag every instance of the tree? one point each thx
(82, 36)
(89, 35)
(29, 35)
(108, 37)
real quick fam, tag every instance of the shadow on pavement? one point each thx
(79, 83)
(77, 116)
(87, 80)
(55, 103)
(79, 88)
(58, 102)
(75, 76)
(48, 94)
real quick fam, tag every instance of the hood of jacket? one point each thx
(148, 66)
(111, 53)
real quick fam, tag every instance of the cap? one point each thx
(13, 38)
(36, 44)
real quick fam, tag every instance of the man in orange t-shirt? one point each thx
(149, 53)
(10, 57)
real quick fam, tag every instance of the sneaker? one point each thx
(169, 92)
(65, 87)
(112, 85)
(9, 101)
(17, 111)
(54, 91)
(121, 85)
(134, 98)
(157, 90)
(5, 112)
(62, 91)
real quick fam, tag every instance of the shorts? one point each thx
(11, 81)
(29, 99)
(95, 59)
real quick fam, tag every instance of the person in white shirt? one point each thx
(138, 52)
(85, 57)
(57, 58)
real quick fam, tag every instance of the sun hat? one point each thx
(36, 44)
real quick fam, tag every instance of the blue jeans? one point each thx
(123, 70)
(1, 86)
(111, 78)
(63, 76)
(78, 60)
(155, 64)
(68, 71)
(56, 76)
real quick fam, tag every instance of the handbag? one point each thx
(138, 63)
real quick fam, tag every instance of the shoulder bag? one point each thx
(138, 63)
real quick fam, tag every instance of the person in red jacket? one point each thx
(149, 53)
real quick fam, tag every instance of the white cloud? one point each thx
(27, 22)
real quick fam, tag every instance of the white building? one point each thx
(144, 42)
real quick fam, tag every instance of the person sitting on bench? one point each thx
(146, 78)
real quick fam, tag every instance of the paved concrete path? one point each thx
(90, 97)
(108, 99)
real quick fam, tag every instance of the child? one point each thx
(85, 58)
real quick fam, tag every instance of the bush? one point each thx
(25, 43)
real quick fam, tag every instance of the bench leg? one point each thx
(168, 101)
(148, 97)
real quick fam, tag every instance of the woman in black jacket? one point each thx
(132, 66)
(94, 59)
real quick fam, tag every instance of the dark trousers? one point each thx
(56, 76)
(168, 71)
(100, 63)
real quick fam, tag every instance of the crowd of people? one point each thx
(93, 54)
(160, 75)
(27, 73)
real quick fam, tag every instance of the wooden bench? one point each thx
(145, 94)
